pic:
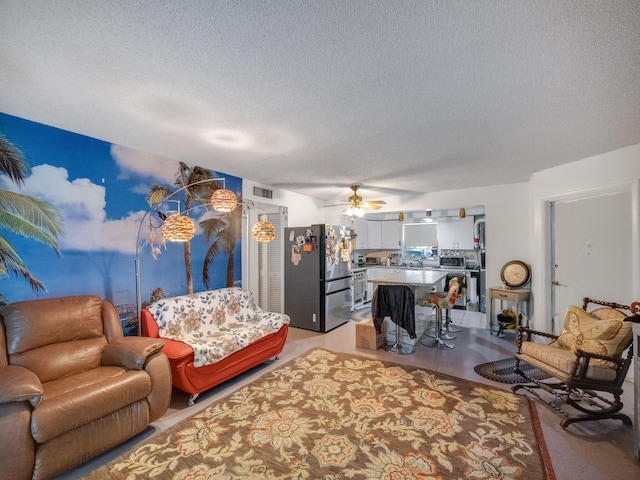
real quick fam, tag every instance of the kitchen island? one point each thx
(422, 282)
(475, 298)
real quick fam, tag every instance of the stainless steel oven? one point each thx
(359, 286)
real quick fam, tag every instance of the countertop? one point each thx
(371, 269)
(429, 268)
(407, 276)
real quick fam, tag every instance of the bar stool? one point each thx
(440, 300)
(398, 303)
(449, 326)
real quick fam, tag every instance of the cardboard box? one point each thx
(366, 336)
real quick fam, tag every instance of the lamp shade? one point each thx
(178, 228)
(224, 200)
(263, 231)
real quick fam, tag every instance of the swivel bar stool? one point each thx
(448, 325)
(440, 300)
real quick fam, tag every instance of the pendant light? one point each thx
(263, 231)
(178, 228)
(224, 200)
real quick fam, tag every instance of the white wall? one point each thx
(303, 210)
(515, 213)
(612, 171)
(506, 214)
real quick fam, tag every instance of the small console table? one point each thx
(505, 294)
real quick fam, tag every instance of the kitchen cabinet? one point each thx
(362, 233)
(374, 234)
(456, 234)
(390, 235)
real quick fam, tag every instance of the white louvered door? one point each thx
(270, 267)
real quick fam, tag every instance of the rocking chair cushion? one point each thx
(559, 362)
(602, 332)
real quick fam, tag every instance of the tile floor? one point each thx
(592, 450)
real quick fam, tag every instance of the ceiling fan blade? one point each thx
(372, 207)
(336, 205)
(380, 202)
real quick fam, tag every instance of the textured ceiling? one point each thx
(312, 96)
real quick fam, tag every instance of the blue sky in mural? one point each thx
(100, 189)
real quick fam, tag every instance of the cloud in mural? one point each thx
(82, 204)
(133, 161)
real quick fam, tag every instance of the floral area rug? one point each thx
(327, 415)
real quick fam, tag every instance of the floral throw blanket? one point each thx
(215, 323)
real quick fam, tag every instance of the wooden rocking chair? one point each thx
(586, 360)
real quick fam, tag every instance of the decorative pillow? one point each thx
(602, 332)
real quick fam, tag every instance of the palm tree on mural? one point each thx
(227, 231)
(197, 191)
(24, 215)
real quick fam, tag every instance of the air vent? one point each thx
(262, 192)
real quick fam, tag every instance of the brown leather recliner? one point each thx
(71, 385)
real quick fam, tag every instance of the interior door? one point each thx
(270, 268)
(591, 251)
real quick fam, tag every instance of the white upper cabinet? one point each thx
(391, 234)
(374, 232)
(456, 234)
(362, 233)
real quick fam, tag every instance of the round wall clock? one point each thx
(515, 274)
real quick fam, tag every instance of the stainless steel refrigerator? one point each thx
(317, 279)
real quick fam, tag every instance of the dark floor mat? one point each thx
(503, 371)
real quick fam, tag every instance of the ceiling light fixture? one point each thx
(354, 212)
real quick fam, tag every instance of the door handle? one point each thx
(556, 283)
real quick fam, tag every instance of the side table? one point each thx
(504, 294)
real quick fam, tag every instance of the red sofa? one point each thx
(234, 304)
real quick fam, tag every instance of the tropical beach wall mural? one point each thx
(86, 214)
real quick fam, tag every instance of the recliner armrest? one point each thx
(18, 384)
(131, 352)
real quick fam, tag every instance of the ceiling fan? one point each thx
(355, 203)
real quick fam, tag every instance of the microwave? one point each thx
(455, 261)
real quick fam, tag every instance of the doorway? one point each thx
(591, 251)
(271, 268)
(262, 263)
